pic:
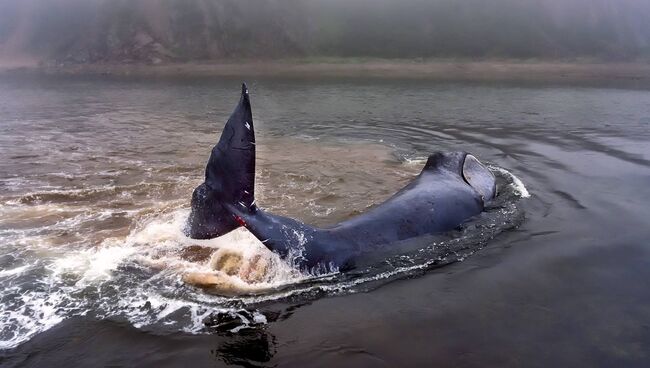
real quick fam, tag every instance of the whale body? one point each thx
(451, 188)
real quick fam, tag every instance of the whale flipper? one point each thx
(229, 176)
(466, 166)
(479, 177)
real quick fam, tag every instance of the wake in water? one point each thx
(125, 256)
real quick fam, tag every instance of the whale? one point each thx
(452, 188)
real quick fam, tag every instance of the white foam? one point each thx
(517, 185)
(157, 296)
(92, 265)
(34, 312)
(69, 273)
(415, 160)
(14, 271)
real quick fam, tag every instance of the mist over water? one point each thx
(98, 174)
(143, 31)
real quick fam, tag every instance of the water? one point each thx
(97, 174)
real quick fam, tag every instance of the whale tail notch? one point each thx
(229, 177)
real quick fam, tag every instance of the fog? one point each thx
(80, 31)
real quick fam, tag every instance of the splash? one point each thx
(115, 249)
(140, 277)
(160, 280)
(516, 183)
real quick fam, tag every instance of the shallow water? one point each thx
(96, 178)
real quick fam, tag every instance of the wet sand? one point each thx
(629, 73)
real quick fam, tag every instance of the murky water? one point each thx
(96, 178)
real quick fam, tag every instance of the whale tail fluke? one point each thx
(229, 176)
(231, 167)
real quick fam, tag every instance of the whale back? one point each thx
(437, 200)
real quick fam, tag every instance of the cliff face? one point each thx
(82, 31)
(153, 31)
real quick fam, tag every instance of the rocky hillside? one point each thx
(155, 31)
(82, 31)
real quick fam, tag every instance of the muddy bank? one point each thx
(488, 71)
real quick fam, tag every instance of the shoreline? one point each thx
(469, 71)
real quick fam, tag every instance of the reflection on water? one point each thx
(251, 348)
(97, 177)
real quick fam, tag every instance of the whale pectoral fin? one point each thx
(229, 176)
(450, 161)
(479, 177)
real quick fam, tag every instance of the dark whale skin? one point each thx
(439, 199)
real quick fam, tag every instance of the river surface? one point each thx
(95, 182)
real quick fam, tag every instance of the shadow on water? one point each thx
(250, 348)
(85, 342)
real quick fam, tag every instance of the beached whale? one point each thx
(452, 188)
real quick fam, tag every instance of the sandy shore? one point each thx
(552, 72)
